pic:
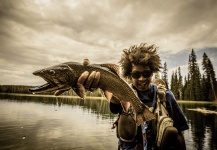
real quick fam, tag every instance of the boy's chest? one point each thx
(148, 98)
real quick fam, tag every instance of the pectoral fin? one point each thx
(108, 95)
(80, 90)
(59, 92)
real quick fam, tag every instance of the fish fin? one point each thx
(108, 95)
(147, 115)
(80, 90)
(125, 105)
(112, 67)
(86, 62)
(59, 92)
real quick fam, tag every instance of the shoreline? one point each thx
(94, 97)
(40, 95)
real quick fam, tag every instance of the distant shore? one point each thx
(61, 96)
(95, 97)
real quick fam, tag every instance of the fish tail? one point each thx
(147, 115)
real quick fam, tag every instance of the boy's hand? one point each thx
(87, 81)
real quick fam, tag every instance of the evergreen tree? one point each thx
(180, 84)
(209, 78)
(198, 85)
(165, 77)
(174, 84)
(204, 90)
(194, 77)
(186, 88)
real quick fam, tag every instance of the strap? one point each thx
(161, 94)
(161, 101)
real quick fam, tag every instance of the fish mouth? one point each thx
(42, 88)
(49, 86)
(59, 77)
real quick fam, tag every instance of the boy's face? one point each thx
(141, 77)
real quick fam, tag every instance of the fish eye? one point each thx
(64, 68)
(52, 72)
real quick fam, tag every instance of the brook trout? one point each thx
(65, 76)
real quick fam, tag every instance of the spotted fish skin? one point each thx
(65, 76)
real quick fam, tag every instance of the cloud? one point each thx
(40, 33)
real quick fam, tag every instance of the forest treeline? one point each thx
(195, 86)
(22, 89)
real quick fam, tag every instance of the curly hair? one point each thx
(142, 54)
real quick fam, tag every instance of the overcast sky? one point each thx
(35, 34)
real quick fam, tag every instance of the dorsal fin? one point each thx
(112, 67)
(86, 62)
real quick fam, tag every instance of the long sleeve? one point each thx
(175, 112)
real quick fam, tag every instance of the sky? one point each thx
(36, 34)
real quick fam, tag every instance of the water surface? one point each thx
(41, 125)
(32, 122)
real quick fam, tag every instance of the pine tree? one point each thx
(185, 89)
(194, 77)
(174, 84)
(204, 90)
(165, 77)
(198, 85)
(209, 78)
(180, 84)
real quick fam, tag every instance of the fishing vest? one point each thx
(166, 134)
(162, 126)
(126, 124)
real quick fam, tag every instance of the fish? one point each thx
(65, 76)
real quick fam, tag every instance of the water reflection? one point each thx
(31, 122)
(50, 123)
(203, 127)
(98, 105)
